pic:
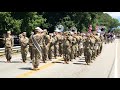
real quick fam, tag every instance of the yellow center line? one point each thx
(26, 74)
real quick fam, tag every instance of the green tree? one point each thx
(7, 22)
(32, 20)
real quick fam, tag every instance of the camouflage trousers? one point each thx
(44, 53)
(8, 52)
(36, 58)
(50, 52)
(24, 52)
(55, 51)
(30, 51)
(73, 52)
(80, 49)
(101, 46)
(60, 49)
(67, 54)
(87, 54)
(93, 54)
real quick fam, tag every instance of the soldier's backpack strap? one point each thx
(35, 43)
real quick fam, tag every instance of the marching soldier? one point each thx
(20, 36)
(36, 40)
(97, 40)
(102, 40)
(105, 38)
(80, 45)
(77, 37)
(55, 44)
(30, 46)
(24, 48)
(9, 43)
(87, 51)
(66, 48)
(99, 44)
(92, 43)
(60, 39)
(51, 43)
(73, 47)
(46, 41)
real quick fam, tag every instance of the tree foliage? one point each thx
(18, 22)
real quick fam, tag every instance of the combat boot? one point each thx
(8, 61)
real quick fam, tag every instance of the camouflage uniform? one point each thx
(101, 44)
(9, 43)
(92, 43)
(30, 47)
(45, 42)
(55, 46)
(51, 43)
(36, 55)
(96, 45)
(60, 41)
(87, 51)
(77, 45)
(66, 48)
(24, 48)
(80, 45)
(73, 48)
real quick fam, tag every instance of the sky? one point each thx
(114, 15)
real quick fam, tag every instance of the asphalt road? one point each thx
(106, 65)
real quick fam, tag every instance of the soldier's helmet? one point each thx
(91, 35)
(71, 33)
(75, 33)
(24, 33)
(38, 29)
(66, 33)
(88, 34)
(78, 33)
(45, 30)
(94, 32)
(8, 32)
(32, 33)
(20, 35)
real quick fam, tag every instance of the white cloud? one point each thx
(114, 14)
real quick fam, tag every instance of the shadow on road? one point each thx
(11, 62)
(80, 63)
(57, 62)
(82, 58)
(2, 61)
(16, 62)
(27, 68)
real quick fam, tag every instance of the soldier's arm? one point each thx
(12, 41)
(83, 44)
(30, 41)
(4, 40)
(49, 41)
(27, 41)
(73, 41)
(20, 40)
